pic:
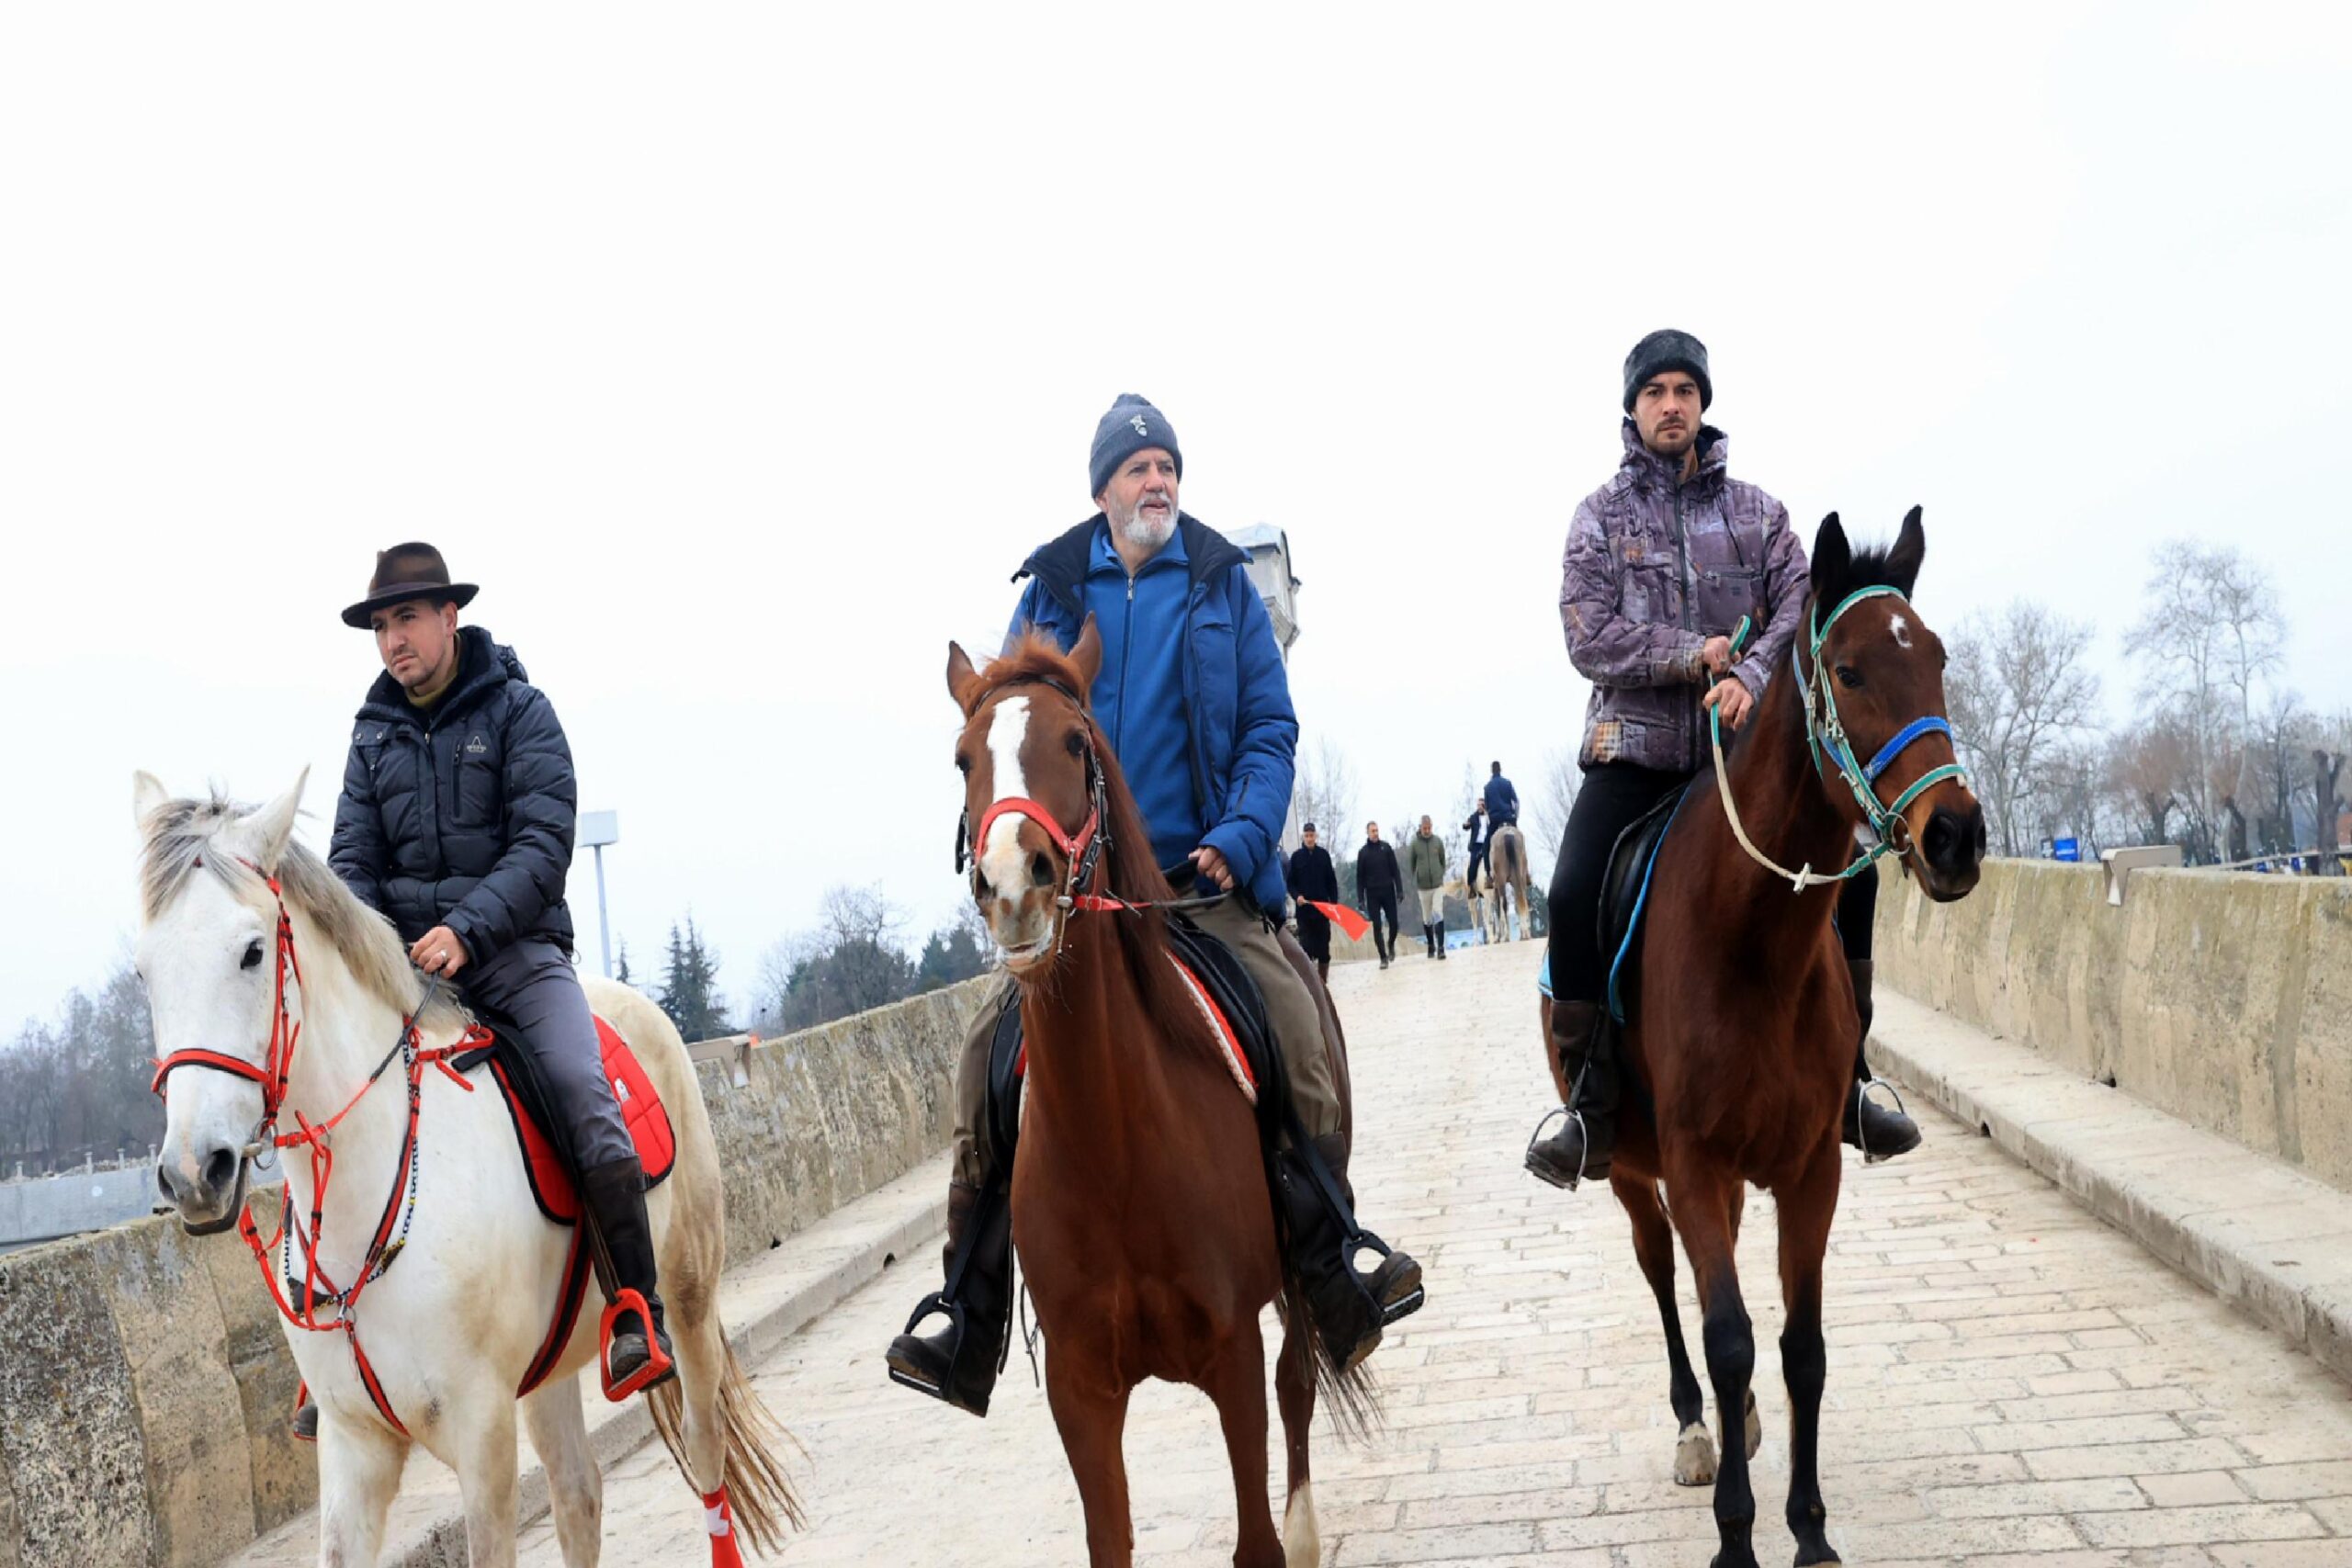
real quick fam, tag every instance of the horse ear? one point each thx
(963, 681)
(1087, 654)
(1833, 559)
(1910, 549)
(262, 836)
(148, 796)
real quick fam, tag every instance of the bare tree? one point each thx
(2210, 631)
(1324, 790)
(2333, 739)
(2146, 768)
(2017, 689)
(1546, 808)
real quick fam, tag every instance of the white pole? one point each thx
(604, 926)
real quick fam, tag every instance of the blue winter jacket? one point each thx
(1229, 691)
(1502, 802)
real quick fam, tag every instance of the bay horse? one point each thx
(1140, 1207)
(281, 1001)
(1741, 1036)
(1508, 883)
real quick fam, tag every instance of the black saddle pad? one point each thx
(1624, 893)
(1229, 986)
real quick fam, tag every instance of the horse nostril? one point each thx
(220, 1170)
(1041, 870)
(164, 1182)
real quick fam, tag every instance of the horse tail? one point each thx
(757, 1488)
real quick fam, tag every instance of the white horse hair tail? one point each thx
(757, 1487)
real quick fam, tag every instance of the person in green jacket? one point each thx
(1426, 856)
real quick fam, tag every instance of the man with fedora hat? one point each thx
(455, 823)
(1194, 698)
(1662, 563)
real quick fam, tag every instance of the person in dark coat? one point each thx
(1501, 800)
(455, 823)
(1481, 835)
(1378, 880)
(1311, 875)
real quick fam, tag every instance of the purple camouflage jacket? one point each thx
(1654, 569)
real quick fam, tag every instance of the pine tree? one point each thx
(689, 987)
(620, 965)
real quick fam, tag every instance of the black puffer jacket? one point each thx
(463, 816)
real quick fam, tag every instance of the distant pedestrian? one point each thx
(1501, 800)
(1377, 883)
(1428, 857)
(1311, 875)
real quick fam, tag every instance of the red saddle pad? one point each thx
(641, 1108)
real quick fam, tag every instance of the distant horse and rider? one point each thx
(1509, 886)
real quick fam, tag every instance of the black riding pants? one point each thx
(1610, 799)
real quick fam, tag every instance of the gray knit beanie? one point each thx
(1130, 425)
(1664, 351)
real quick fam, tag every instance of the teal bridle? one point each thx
(1825, 737)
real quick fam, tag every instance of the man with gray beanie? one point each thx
(1195, 702)
(1662, 563)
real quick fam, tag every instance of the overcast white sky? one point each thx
(740, 355)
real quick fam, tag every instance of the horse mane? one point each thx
(1127, 869)
(180, 832)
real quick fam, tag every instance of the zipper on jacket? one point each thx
(1687, 587)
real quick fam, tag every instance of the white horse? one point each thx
(281, 1001)
(1507, 883)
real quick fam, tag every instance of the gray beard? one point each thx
(1132, 527)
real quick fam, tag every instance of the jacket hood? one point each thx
(1061, 563)
(1645, 468)
(484, 664)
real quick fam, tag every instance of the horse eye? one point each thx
(252, 954)
(1849, 678)
(1076, 744)
(963, 764)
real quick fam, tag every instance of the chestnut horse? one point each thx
(1140, 1205)
(1740, 1032)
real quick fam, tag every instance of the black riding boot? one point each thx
(1587, 1137)
(1438, 935)
(1879, 1133)
(959, 1362)
(614, 1195)
(1350, 1308)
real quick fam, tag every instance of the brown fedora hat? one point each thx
(404, 572)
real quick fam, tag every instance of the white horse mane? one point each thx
(179, 833)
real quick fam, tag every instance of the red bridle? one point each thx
(276, 1067)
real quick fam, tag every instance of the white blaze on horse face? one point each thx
(1901, 628)
(1000, 857)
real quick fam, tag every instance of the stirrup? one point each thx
(1863, 1088)
(935, 1304)
(1406, 1305)
(1584, 1143)
(658, 1362)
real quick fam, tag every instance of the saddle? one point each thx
(546, 1159)
(1230, 1003)
(1625, 895)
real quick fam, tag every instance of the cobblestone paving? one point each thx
(2010, 1385)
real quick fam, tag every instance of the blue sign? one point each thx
(2066, 849)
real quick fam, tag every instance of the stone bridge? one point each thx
(2102, 1317)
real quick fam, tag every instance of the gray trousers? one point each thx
(1290, 1008)
(534, 984)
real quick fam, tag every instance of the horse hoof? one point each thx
(1694, 1456)
(1755, 1427)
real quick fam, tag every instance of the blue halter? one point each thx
(1824, 734)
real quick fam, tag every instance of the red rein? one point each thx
(272, 1075)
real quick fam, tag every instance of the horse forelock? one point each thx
(181, 831)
